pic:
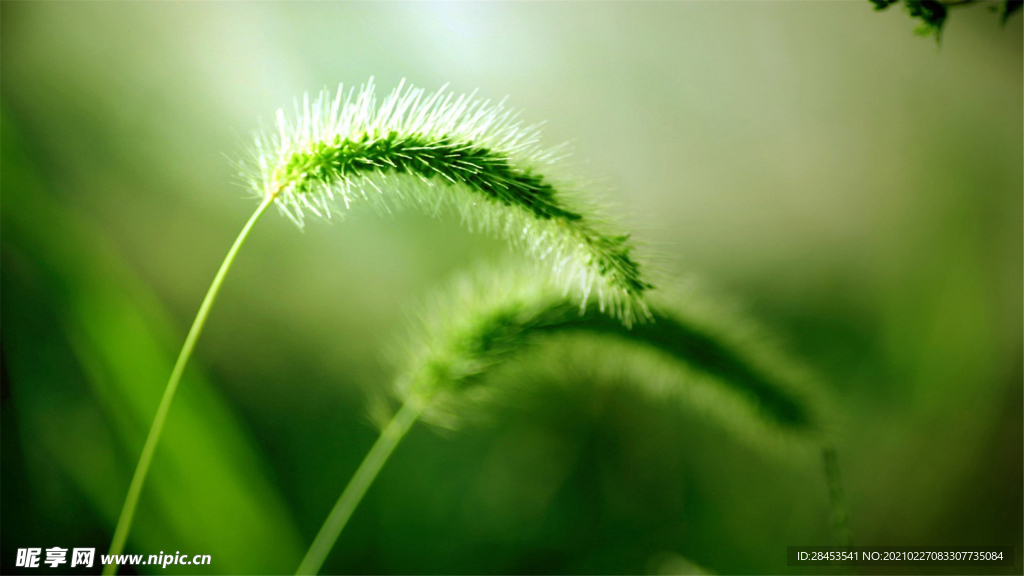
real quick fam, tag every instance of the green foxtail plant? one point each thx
(434, 151)
(490, 319)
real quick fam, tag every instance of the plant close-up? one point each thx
(427, 150)
(491, 318)
(512, 288)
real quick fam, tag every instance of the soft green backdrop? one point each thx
(853, 187)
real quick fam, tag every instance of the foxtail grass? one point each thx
(487, 321)
(433, 151)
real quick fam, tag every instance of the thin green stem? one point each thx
(357, 486)
(124, 523)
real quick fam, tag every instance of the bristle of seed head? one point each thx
(441, 150)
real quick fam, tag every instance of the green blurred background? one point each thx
(856, 188)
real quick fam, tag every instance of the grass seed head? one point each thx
(711, 360)
(441, 151)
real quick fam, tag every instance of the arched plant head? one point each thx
(442, 152)
(471, 337)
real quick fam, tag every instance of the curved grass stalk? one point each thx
(124, 521)
(357, 487)
(428, 151)
(487, 322)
